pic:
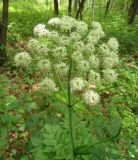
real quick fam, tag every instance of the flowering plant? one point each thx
(72, 58)
(66, 40)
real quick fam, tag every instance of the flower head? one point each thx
(83, 66)
(53, 36)
(96, 26)
(89, 49)
(104, 50)
(22, 59)
(81, 27)
(64, 41)
(95, 35)
(48, 86)
(61, 68)
(44, 65)
(94, 77)
(77, 56)
(113, 44)
(60, 53)
(91, 98)
(74, 36)
(109, 75)
(77, 84)
(94, 61)
(110, 61)
(54, 21)
(32, 44)
(42, 49)
(78, 45)
(40, 30)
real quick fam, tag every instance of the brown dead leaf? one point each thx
(35, 87)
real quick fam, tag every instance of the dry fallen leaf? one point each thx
(35, 87)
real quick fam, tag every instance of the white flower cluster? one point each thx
(48, 86)
(77, 56)
(54, 22)
(35, 47)
(83, 66)
(94, 77)
(68, 24)
(77, 84)
(32, 44)
(94, 61)
(109, 75)
(42, 49)
(109, 59)
(68, 39)
(22, 59)
(53, 36)
(74, 36)
(91, 98)
(113, 44)
(96, 26)
(62, 69)
(44, 65)
(40, 30)
(60, 53)
(96, 33)
(81, 27)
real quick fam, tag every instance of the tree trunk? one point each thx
(107, 7)
(126, 5)
(79, 3)
(93, 3)
(3, 32)
(56, 10)
(70, 8)
(47, 3)
(75, 5)
(81, 7)
(132, 11)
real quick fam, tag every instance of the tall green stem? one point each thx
(70, 109)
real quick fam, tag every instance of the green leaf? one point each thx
(36, 141)
(88, 149)
(10, 99)
(95, 151)
(31, 106)
(25, 158)
(3, 141)
(7, 118)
